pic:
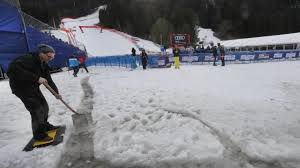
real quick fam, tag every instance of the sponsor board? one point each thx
(180, 39)
(277, 55)
(208, 58)
(263, 56)
(247, 57)
(230, 57)
(161, 62)
(190, 59)
(171, 59)
(290, 55)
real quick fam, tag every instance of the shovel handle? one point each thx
(56, 95)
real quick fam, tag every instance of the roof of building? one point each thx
(291, 38)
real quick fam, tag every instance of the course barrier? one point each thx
(158, 61)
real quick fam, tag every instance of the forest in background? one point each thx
(153, 19)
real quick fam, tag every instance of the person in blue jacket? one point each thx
(74, 64)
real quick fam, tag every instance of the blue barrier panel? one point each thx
(278, 55)
(291, 54)
(155, 61)
(246, 57)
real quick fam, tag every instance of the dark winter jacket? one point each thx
(222, 50)
(214, 51)
(144, 57)
(133, 52)
(176, 52)
(24, 73)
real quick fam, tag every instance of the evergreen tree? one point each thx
(228, 18)
(161, 30)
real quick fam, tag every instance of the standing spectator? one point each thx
(133, 60)
(73, 64)
(144, 58)
(207, 50)
(133, 52)
(26, 73)
(82, 59)
(176, 53)
(215, 52)
(222, 53)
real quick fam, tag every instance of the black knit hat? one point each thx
(44, 48)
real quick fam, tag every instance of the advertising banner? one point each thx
(290, 55)
(230, 57)
(247, 57)
(180, 39)
(264, 56)
(189, 59)
(278, 55)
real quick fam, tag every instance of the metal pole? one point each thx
(24, 27)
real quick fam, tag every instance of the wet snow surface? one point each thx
(199, 116)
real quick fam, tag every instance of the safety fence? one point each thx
(157, 61)
(121, 61)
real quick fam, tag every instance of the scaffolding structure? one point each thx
(14, 3)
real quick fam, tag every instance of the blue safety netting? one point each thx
(16, 39)
(10, 19)
(63, 50)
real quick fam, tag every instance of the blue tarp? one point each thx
(10, 19)
(62, 50)
(12, 37)
(12, 43)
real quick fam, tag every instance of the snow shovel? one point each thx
(55, 94)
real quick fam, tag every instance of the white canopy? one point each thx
(293, 38)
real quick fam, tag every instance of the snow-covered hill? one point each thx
(207, 36)
(109, 42)
(103, 41)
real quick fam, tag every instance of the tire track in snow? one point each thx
(233, 152)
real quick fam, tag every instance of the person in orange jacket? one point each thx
(82, 60)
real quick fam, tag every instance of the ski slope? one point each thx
(237, 116)
(241, 114)
(99, 41)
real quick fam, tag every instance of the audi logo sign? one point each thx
(179, 37)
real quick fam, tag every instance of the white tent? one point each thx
(283, 39)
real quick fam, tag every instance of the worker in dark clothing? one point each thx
(133, 52)
(176, 53)
(133, 59)
(215, 53)
(26, 73)
(144, 58)
(222, 53)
